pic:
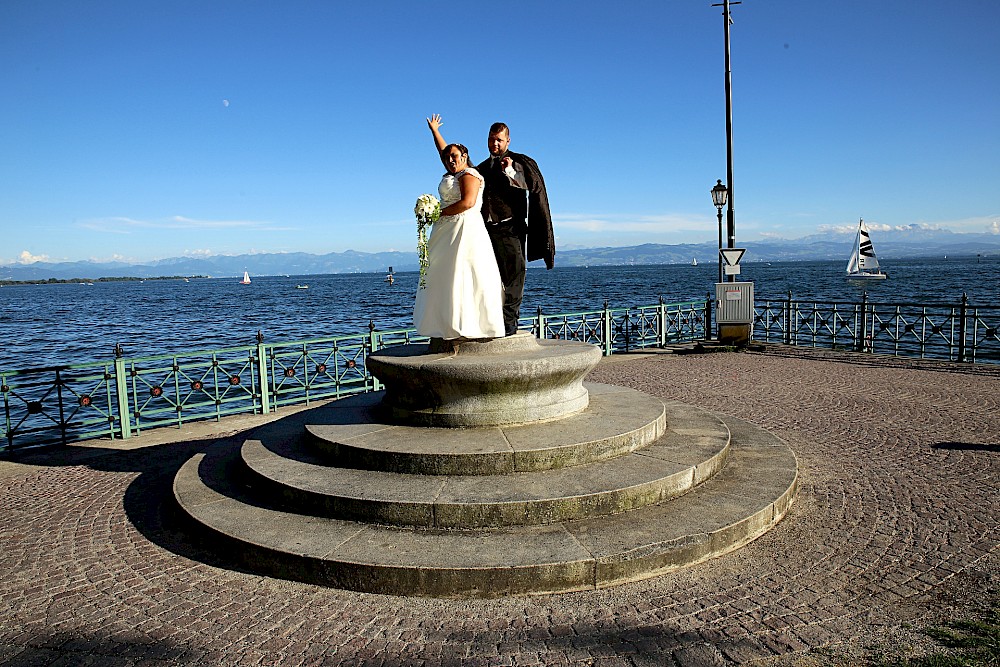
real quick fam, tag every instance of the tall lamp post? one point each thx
(730, 212)
(719, 196)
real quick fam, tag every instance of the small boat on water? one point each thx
(246, 278)
(863, 264)
(694, 261)
(302, 287)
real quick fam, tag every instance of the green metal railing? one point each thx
(955, 332)
(121, 398)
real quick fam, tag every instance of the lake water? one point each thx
(43, 325)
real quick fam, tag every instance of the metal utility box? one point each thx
(734, 313)
(734, 303)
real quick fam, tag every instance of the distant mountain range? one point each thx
(908, 243)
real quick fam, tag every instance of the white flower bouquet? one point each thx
(427, 210)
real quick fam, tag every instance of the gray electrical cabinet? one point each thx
(734, 303)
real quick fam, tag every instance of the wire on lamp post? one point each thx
(719, 195)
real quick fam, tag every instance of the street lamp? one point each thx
(730, 212)
(719, 196)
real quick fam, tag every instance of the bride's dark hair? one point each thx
(461, 149)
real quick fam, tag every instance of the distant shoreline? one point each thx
(568, 262)
(85, 281)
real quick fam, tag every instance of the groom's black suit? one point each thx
(519, 223)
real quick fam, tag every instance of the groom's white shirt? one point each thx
(516, 177)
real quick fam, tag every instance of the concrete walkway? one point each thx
(896, 526)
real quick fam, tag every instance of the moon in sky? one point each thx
(225, 103)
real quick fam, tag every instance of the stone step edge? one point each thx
(365, 455)
(389, 498)
(637, 562)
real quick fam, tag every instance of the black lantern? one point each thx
(719, 196)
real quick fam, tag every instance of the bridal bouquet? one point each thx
(427, 210)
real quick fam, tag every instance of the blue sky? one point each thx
(140, 130)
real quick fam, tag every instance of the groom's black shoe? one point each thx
(511, 331)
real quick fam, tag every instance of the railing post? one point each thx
(788, 319)
(540, 323)
(62, 413)
(263, 375)
(121, 389)
(372, 347)
(628, 329)
(708, 316)
(962, 314)
(5, 390)
(661, 324)
(863, 329)
(607, 330)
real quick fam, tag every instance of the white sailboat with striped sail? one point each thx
(863, 264)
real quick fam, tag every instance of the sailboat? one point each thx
(694, 261)
(246, 278)
(863, 264)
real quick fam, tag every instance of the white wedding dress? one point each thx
(462, 295)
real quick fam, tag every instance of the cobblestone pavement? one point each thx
(895, 527)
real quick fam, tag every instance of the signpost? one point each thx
(731, 260)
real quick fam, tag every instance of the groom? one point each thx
(516, 211)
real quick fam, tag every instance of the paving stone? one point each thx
(699, 655)
(876, 494)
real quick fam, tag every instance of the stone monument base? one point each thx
(513, 380)
(487, 469)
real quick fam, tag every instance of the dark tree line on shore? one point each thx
(106, 279)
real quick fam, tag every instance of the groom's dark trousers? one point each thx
(508, 246)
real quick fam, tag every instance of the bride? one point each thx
(462, 295)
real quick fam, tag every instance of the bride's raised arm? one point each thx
(434, 122)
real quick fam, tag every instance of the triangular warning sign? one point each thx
(732, 256)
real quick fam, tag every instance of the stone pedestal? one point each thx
(514, 380)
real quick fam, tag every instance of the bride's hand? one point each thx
(434, 122)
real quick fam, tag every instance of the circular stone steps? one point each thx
(726, 506)
(665, 469)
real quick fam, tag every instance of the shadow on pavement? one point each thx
(148, 500)
(967, 446)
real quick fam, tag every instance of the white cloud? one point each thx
(27, 258)
(199, 252)
(115, 257)
(633, 224)
(976, 225)
(852, 228)
(836, 229)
